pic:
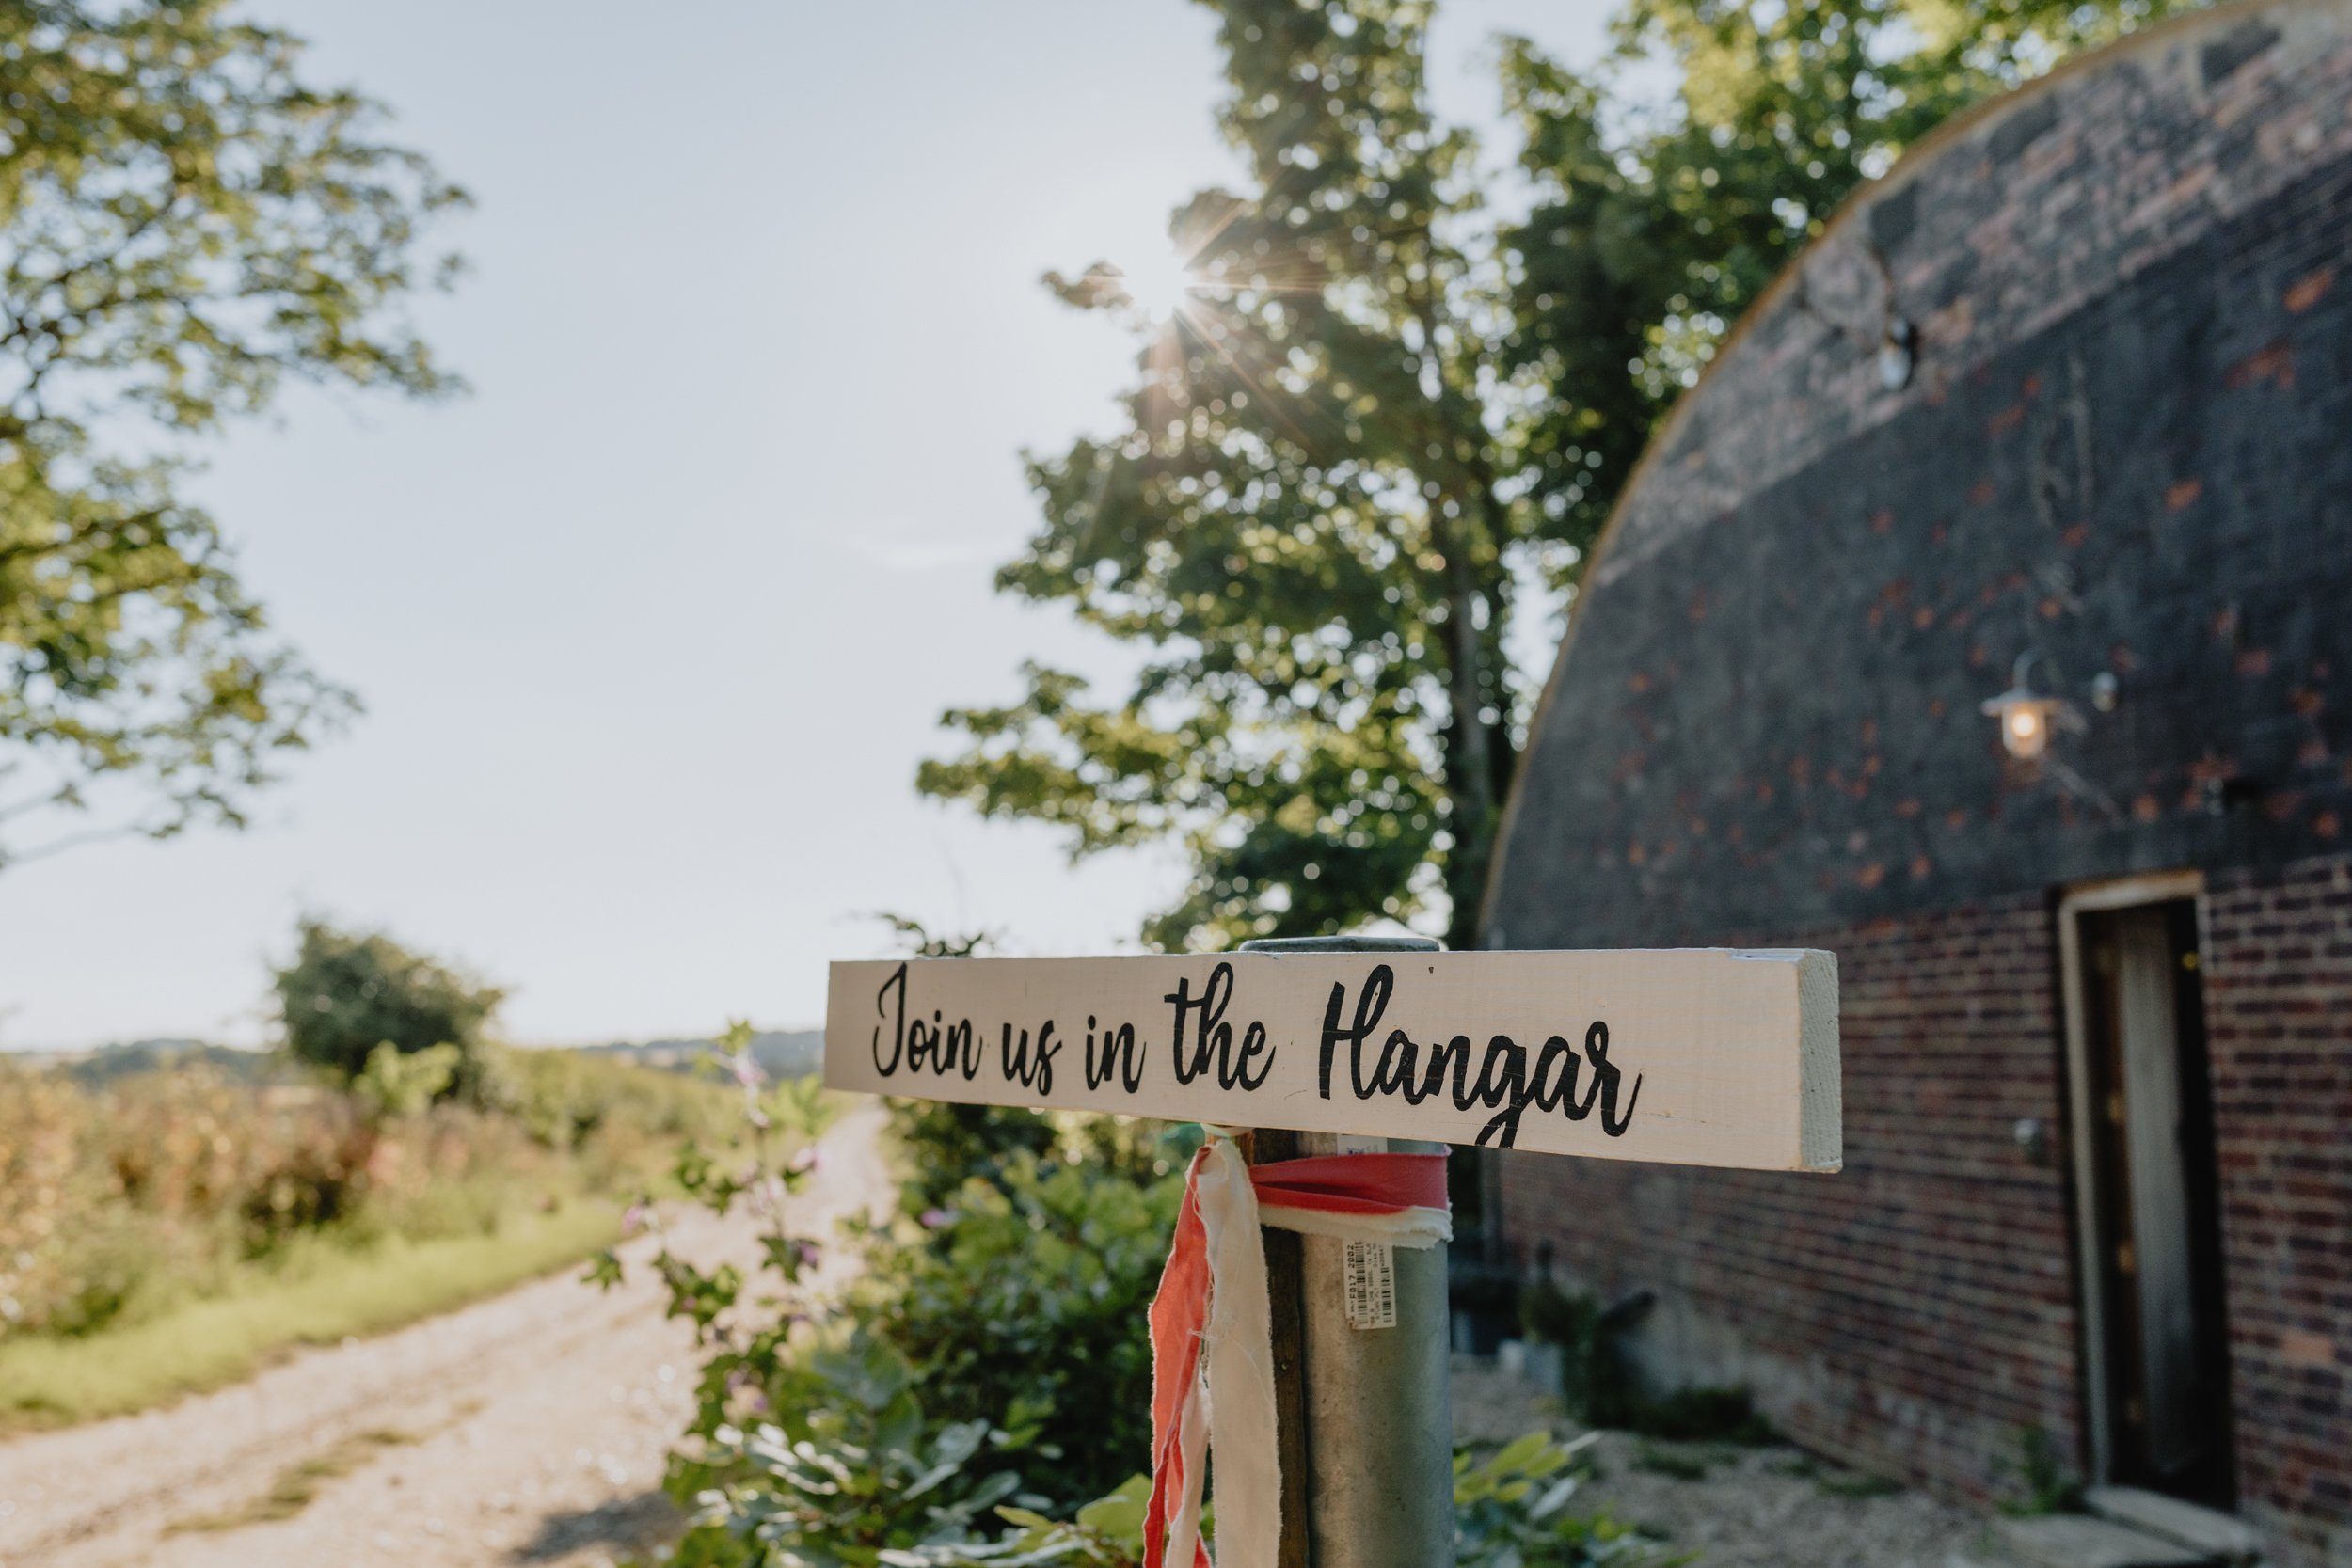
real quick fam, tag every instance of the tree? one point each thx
(1379, 411)
(347, 993)
(1307, 516)
(185, 223)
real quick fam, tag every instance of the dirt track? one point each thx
(525, 1430)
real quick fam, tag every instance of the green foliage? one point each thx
(1598, 1383)
(397, 1083)
(1676, 1465)
(185, 223)
(944, 1145)
(1016, 1311)
(316, 1287)
(1382, 409)
(1655, 228)
(1023, 1304)
(2044, 1482)
(1595, 1384)
(1105, 1533)
(602, 1107)
(1511, 1510)
(1702, 1414)
(135, 1194)
(347, 993)
(1306, 517)
(845, 1481)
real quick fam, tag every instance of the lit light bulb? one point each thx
(2026, 717)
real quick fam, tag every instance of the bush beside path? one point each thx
(532, 1428)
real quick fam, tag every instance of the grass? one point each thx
(297, 1485)
(1679, 1465)
(321, 1298)
(1857, 1486)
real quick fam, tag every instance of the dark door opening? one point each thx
(2155, 1202)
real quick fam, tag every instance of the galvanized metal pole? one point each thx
(1376, 1404)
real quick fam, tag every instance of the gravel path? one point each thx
(1725, 1506)
(526, 1429)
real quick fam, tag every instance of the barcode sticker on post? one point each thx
(1372, 1285)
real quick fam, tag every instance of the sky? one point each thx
(654, 625)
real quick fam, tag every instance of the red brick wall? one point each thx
(1915, 1313)
(2279, 1019)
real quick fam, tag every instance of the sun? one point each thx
(1160, 284)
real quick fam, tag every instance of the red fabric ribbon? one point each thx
(1399, 1198)
(1353, 1183)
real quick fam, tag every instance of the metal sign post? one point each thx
(1370, 1395)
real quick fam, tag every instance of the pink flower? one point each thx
(936, 1218)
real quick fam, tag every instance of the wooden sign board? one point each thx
(1695, 1056)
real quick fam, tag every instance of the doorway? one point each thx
(2147, 1189)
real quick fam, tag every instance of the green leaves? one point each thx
(1511, 1510)
(865, 1475)
(183, 224)
(348, 994)
(1303, 519)
(1382, 410)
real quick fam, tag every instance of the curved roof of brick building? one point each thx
(2123, 420)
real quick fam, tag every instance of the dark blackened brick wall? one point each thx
(1776, 719)
(2127, 448)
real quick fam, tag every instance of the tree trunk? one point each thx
(1470, 762)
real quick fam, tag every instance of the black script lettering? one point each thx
(1455, 1053)
(1211, 1034)
(1394, 1073)
(1118, 1056)
(883, 1009)
(1031, 1073)
(1253, 1045)
(1507, 1088)
(1559, 1055)
(1370, 1004)
(1605, 1077)
(922, 1046)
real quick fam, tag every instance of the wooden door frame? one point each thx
(2122, 893)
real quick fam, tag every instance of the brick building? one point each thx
(2059, 411)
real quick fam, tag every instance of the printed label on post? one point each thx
(1372, 1285)
(1371, 1265)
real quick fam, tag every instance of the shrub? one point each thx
(1596, 1380)
(944, 1145)
(844, 1478)
(136, 1192)
(347, 993)
(1022, 1301)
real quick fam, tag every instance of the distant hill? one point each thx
(780, 1052)
(109, 1062)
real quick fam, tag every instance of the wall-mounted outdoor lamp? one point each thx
(1898, 354)
(2026, 717)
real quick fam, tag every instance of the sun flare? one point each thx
(1160, 284)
